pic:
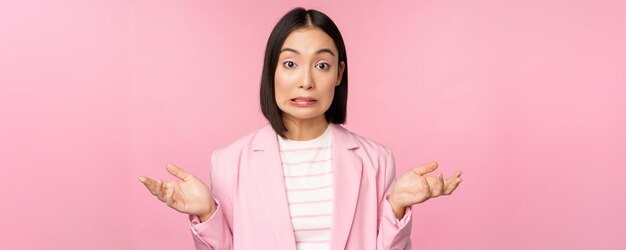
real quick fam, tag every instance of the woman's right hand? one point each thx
(187, 195)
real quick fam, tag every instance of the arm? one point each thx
(393, 233)
(216, 232)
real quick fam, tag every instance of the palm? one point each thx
(415, 187)
(187, 195)
(412, 188)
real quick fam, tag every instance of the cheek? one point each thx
(280, 85)
(326, 95)
(330, 93)
(329, 85)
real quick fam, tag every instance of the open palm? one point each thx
(187, 195)
(415, 186)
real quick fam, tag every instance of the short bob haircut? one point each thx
(293, 20)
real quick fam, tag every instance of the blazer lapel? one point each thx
(266, 167)
(347, 171)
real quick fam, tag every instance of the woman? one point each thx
(302, 181)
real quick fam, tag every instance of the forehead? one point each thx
(309, 40)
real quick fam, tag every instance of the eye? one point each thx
(289, 64)
(323, 66)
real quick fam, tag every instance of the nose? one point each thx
(307, 81)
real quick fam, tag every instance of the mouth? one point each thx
(303, 100)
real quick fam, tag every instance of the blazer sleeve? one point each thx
(393, 234)
(216, 232)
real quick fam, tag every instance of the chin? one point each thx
(304, 115)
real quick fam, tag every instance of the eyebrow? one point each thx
(318, 52)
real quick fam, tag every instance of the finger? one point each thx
(425, 169)
(436, 185)
(441, 184)
(168, 196)
(178, 172)
(159, 190)
(452, 178)
(452, 185)
(427, 188)
(149, 183)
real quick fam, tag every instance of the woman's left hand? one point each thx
(415, 187)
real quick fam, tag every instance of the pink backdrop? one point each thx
(528, 99)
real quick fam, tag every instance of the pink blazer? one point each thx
(248, 185)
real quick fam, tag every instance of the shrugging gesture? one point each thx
(187, 195)
(415, 187)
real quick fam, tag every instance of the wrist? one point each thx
(206, 216)
(398, 209)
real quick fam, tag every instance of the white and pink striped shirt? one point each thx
(309, 181)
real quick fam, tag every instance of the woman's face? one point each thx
(307, 73)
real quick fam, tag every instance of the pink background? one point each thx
(528, 99)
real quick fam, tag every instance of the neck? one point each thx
(302, 130)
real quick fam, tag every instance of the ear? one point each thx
(342, 67)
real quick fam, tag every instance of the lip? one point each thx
(308, 101)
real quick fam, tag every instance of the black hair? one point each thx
(293, 20)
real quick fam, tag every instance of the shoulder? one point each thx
(239, 145)
(364, 143)
(225, 160)
(375, 157)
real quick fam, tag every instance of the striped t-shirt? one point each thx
(309, 182)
